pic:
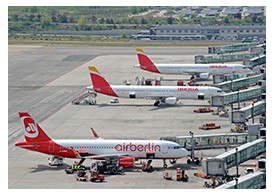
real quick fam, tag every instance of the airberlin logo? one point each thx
(218, 66)
(150, 147)
(31, 129)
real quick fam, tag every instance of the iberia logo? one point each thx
(31, 129)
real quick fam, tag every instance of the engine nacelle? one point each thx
(204, 75)
(171, 100)
(128, 162)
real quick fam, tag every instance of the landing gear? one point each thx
(164, 164)
(147, 167)
(173, 161)
(157, 103)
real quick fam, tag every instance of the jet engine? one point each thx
(171, 100)
(204, 75)
(127, 162)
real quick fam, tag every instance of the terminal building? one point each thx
(213, 32)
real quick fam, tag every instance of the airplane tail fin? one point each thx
(100, 84)
(145, 62)
(32, 131)
(97, 80)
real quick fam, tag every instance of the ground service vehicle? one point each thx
(96, 177)
(181, 175)
(203, 110)
(209, 126)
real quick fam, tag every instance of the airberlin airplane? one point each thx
(125, 151)
(162, 94)
(202, 71)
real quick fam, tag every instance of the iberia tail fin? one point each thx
(145, 62)
(100, 84)
(32, 131)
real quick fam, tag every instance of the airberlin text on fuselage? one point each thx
(150, 147)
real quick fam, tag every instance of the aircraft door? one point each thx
(164, 150)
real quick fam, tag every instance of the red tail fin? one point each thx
(32, 131)
(100, 85)
(145, 62)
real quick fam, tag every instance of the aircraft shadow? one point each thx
(40, 168)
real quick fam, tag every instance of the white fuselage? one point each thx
(134, 148)
(158, 92)
(211, 69)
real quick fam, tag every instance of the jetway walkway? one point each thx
(231, 48)
(255, 180)
(206, 59)
(245, 113)
(219, 165)
(259, 60)
(237, 96)
(236, 84)
(210, 141)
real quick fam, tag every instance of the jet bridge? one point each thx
(241, 115)
(210, 141)
(206, 59)
(231, 48)
(255, 180)
(259, 60)
(219, 165)
(236, 84)
(234, 97)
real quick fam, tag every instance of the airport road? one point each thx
(44, 80)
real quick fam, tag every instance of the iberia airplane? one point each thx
(162, 94)
(126, 151)
(202, 71)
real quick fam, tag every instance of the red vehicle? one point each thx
(203, 110)
(209, 126)
(96, 177)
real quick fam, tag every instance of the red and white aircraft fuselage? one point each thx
(37, 140)
(201, 70)
(164, 94)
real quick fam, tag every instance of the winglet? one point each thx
(95, 134)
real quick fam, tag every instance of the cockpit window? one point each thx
(244, 67)
(219, 91)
